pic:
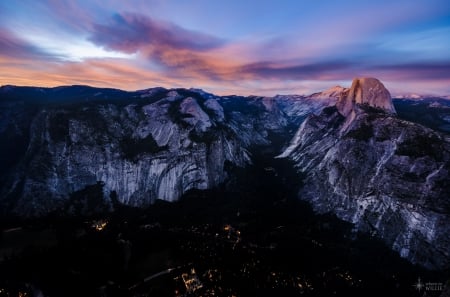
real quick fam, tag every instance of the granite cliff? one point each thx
(388, 176)
(63, 147)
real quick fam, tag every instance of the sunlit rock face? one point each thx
(388, 176)
(140, 146)
(368, 91)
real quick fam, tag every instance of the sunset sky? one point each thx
(227, 47)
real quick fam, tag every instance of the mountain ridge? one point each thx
(396, 95)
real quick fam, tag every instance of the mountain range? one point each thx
(381, 164)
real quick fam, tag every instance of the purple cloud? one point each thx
(423, 71)
(15, 47)
(131, 32)
(340, 70)
(271, 70)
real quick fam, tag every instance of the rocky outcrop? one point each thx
(389, 177)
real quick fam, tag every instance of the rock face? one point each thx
(388, 176)
(64, 142)
(368, 91)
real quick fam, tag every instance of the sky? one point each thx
(227, 47)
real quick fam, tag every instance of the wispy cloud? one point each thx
(322, 70)
(129, 33)
(14, 47)
(422, 71)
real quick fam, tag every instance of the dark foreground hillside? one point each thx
(250, 237)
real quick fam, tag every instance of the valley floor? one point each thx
(251, 237)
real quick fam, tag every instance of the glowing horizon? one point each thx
(256, 47)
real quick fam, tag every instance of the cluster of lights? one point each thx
(99, 225)
(4, 292)
(191, 281)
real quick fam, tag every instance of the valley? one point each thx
(249, 237)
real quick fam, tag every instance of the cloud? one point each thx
(14, 47)
(187, 54)
(132, 32)
(110, 72)
(320, 70)
(423, 71)
(259, 80)
(182, 52)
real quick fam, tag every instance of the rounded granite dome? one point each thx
(365, 91)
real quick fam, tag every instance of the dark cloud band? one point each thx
(131, 32)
